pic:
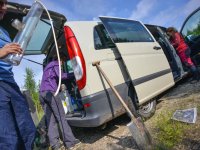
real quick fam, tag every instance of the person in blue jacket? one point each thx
(17, 130)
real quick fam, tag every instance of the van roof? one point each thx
(23, 9)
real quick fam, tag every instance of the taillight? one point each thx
(86, 105)
(76, 57)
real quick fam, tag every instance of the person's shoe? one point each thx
(76, 145)
(193, 81)
(60, 147)
(77, 142)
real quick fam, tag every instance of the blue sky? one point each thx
(159, 12)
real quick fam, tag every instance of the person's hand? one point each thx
(11, 48)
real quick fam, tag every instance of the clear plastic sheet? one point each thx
(186, 115)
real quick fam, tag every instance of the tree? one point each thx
(194, 31)
(29, 80)
(33, 88)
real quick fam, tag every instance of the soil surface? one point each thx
(116, 135)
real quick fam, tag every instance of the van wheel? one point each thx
(147, 111)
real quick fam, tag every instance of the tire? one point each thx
(147, 111)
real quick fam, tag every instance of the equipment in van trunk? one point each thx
(66, 100)
(136, 126)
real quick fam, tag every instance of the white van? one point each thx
(137, 58)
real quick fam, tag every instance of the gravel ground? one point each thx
(116, 135)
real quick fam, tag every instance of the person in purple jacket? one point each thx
(53, 109)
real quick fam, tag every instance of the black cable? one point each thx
(33, 61)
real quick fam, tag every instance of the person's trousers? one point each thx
(17, 130)
(185, 57)
(54, 113)
(187, 61)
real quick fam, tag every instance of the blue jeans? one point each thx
(17, 130)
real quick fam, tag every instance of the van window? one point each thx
(102, 39)
(39, 40)
(122, 30)
(191, 29)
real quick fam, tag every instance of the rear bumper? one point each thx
(104, 106)
(92, 121)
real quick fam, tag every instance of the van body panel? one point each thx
(142, 62)
(141, 58)
(113, 68)
(151, 92)
(86, 45)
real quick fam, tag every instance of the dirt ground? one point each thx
(116, 135)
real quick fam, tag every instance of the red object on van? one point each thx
(76, 57)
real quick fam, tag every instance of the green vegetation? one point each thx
(169, 132)
(195, 31)
(198, 108)
(31, 85)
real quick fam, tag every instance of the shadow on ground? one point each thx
(91, 135)
(124, 142)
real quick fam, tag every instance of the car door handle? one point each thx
(157, 47)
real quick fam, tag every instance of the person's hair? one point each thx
(170, 29)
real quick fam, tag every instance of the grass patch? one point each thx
(198, 109)
(40, 114)
(168, 132)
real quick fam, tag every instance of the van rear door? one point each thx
(146, 62)
(42, 38)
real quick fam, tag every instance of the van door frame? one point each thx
(172, 52)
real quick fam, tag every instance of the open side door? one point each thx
(144, 59)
